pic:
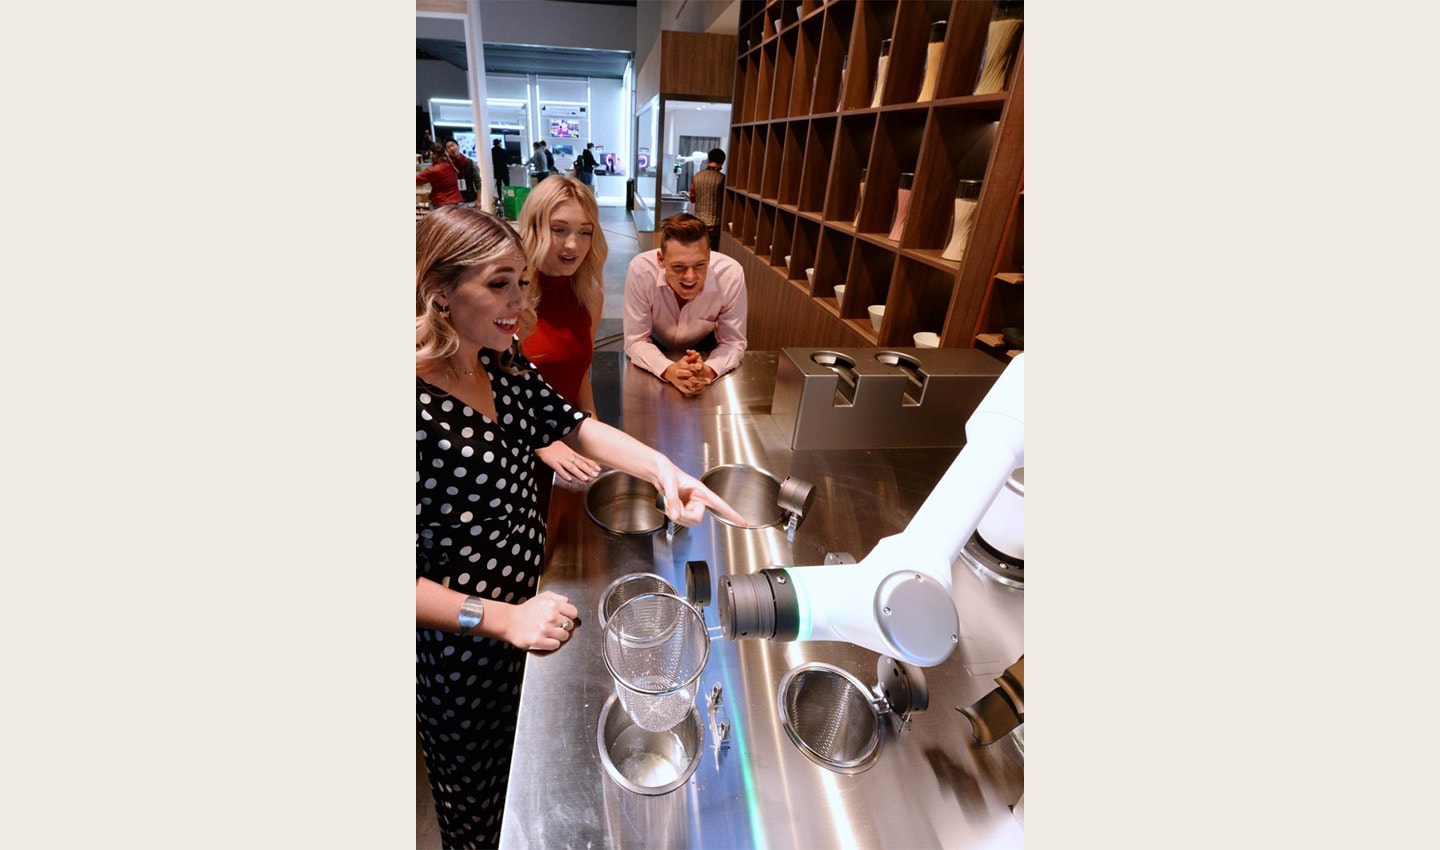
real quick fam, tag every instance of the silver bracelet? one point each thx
(472, 611)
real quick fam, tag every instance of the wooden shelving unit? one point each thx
(804, 131)
(1003, 305)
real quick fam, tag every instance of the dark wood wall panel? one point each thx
(697, 64)
(779, 313)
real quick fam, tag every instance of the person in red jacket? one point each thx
(466, 172)
(444, 183)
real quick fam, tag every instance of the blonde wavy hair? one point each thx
(588, 280)
(449, 241)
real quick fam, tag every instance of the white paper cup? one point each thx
(787, 261)
(925, 339)
(877, 313)
(840, 295)
(810, 276)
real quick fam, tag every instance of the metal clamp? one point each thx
(900, 689)
(796, 496)
(719, 729)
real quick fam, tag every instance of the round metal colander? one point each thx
(655, 646)
(627, 587)
(830, 716)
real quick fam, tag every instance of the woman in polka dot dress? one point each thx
(481, 412)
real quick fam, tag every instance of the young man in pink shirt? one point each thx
(684, 308)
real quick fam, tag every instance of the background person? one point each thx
(481, 412)
(707, 191)
(444, 182)
(536, 164)
(466, 171)
(565, 251)
(585, 165)
(683, 301)
(500, 162)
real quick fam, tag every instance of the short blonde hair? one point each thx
(588, 280)
(448, 242)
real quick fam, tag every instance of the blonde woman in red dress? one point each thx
(565, 257)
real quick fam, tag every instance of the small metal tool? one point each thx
(719, 729)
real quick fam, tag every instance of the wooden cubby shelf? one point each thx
(821, 140)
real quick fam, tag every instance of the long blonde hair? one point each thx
(588, 280)
(449, 241)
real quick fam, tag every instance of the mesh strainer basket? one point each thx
(830, 716)
(656, 645)
(627, 587)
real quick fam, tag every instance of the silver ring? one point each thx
(566, 624)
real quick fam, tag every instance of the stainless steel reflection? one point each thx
(750, 490)
(929, 786)
(644, 761)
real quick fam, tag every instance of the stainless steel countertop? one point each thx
(931, 785)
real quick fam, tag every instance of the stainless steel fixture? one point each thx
(865, 398)
(928, 785)
(644, 761)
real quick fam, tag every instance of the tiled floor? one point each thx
(623, 242)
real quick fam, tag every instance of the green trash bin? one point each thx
(514, 199)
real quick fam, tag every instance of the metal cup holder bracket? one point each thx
(862, 398)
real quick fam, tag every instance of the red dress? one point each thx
(562, 345)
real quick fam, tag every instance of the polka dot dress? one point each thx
(478, 531)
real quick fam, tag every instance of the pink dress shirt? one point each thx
(651, 309)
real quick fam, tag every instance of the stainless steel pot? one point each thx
(646, 762)
(750, 490)
(623, 504)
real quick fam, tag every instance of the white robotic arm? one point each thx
(897, 601)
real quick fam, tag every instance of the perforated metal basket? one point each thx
(627, 587)
(831, 717)
(655, 647)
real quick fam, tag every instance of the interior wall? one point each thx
(696, 15)
(437, 79)
(647, 52)
(552, 22)
(688, 121)
(555, 22)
